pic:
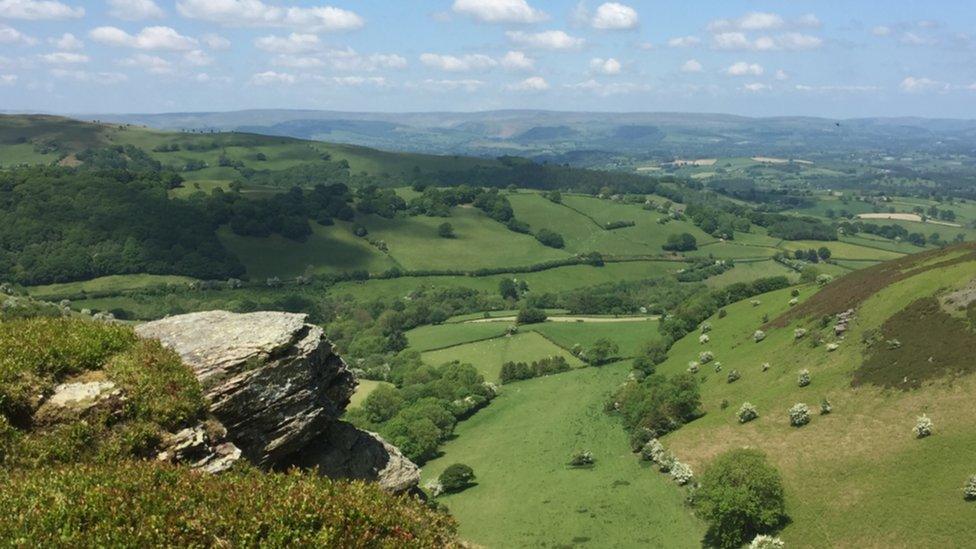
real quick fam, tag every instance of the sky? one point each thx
(834, 58)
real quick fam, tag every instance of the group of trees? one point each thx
(683, 242)
(515, 371)
(658, 404)
(789, 227)
(813, 256)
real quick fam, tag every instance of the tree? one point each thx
(683, 242)
(824, 253)
(530, 316)
(445, 230)
(601, 351)
(383, 403)
(741, 495)
(550, 238)
(508, 289)
(456, 478)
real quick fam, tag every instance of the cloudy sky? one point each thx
(841, 58)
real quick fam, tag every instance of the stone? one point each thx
(75, 400)
(271, 379)
(202, 447)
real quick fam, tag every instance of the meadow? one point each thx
(488, 356)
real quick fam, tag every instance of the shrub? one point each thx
(803, 379)
(794, 292)
(799, 415)
(765, 366)
(445, 230)
(683, 242)
(530, 316)
(705, 357)
(825, 407)
(923, 426)
(799, 333)
(722, 313)
(703, 339)
(766, 542)
(665, 461)
(758, 336)
(681, 473)
(706, 327)
(601, 351)
(741, 495)
(239, 508)
(581, 459)
(733, 376)
(550, 238)
(693, 367)
(652, 450)
(724, 404)
(969, 493)
(747, 412)
(456, 478)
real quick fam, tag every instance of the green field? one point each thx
(108, 285)
(488, 356)
(363, 389)
(426, 338)
(526, 495)
(629, 336)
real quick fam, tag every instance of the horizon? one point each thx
(862, 59)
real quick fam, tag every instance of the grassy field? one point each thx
(842, 250)
(629, 336)
(744, 272)
(488, 356)
(426, 338)
(365, 387)
(856, 477)
(107, 285)
(526, 496)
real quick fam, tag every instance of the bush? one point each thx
(733, 376)
(799, 333)
(581, 459)
(766, 542)
(601, 351)
(683, 242)
(799, 415)
(445, 230)
(531, 316)
(703, 339)
(747, 412)
(758, 336)
(741, 495)
(969, 493)
(652, 450)
(825, 407)
(705, 357)
(923, 426)
(803, 379)
(456, 478)
(550, 238)
(681, 473)
(239, 508)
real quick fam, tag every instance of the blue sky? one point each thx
(825, 57)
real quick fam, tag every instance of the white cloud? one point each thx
(684, 41)
(756, 87)
(38, 9)
(67, 41)
(791, 41)
(297, 62)
(201, 77)
(914, 84)
(748, 22)
(914, 39)
(134, 10)
(809, 21)
(215, 41)
(270, 77)
(516, 60)
(10, 35)
(742, 68)
(499, 11)
(293, 43)
(546, 40)
(198, 58)
(359, 80)
(343, 60)
(881, 30)
(691, 65)
(609, 66)
(468, 85)
(255, 13)
(104, 78)
(615, 16)
(613, 88)
(8, 79)
(149, 63)
(453, 63)
(781, 75)
(533, 83)
(149, 38)
(837, 88)
(64, 58)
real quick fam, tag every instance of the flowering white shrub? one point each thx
(766, 542)
(970, 491)
(793, 302)
(923, 426)
(652, 450)
(824, 279)
(693, 367)
(799, 415)
(798, 333)
(734, 376)
(747, 412)
(665, 461)
(718, 367)
(758, 336)
(706, 327)
(703, 339)
(825, 407)
(705, 357)
(681, 473)
(434, 488)
(765, 366)
(756, 302)
(804, 378)
(831, 347)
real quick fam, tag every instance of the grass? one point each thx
(629, 336)
(426, 338)
(746, 272)
(363, 389)
(328, 249)
(107, 285)
(488, 356)
(526, 495)
(841, 249)
(856, 477)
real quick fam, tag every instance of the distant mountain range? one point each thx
(586, 137)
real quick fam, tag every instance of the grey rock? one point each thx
(346, 452)
(271, 379)
(202, 447)
(75, 400)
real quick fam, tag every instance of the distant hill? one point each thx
(534, 133)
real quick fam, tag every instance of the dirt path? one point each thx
(570, 319)
(906, 217)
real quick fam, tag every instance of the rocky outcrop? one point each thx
(278, 388)
(203, 447)
(76, 400)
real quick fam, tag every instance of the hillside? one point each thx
(858, 476)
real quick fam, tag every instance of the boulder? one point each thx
(76, 400)
(202, 447)
(272, 379)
